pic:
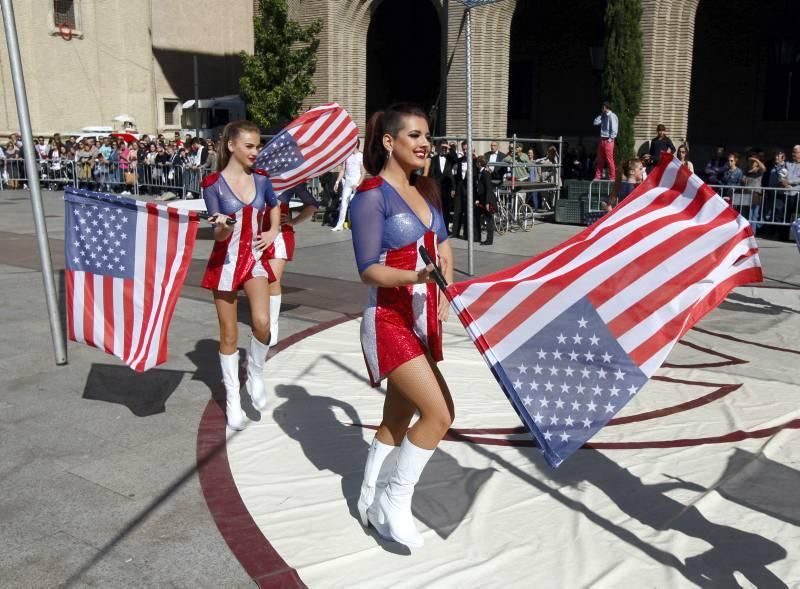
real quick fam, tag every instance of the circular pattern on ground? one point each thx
(673, 494)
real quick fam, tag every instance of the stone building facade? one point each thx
(709, 85)
(672, 82)
(122, 57)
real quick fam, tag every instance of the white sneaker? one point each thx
(189, 195)
(337, 228)
(125, 193)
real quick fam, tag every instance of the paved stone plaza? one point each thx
(98, 469)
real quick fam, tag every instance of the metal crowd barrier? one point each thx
(600, 191)
(157, 179)
(55, 175)
(192, 177)
(758, 204)
(12, 173)
(118, 177)
(107, 177)
(761, 205)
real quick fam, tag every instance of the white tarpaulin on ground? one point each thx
(697, 483)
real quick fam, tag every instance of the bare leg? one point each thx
(420, 384)
(225, 301)
(278, 266)
(397, 414)
(257, 290)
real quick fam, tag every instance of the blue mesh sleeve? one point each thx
(211, 196)
(270, 198)
(439, 226)
(368, 215)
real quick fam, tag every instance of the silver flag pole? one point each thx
(468, 155)
(469, 5)
(21, 96)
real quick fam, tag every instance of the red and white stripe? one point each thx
(326, 135)
(652, 268)
(129, 318)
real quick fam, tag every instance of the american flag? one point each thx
(573, 334)
(126, 261)
(317, 141)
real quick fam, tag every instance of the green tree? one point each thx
(279, 75)
(624, 72)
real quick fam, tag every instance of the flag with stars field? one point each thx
(575, 333)
(126, 261)
(317, 141)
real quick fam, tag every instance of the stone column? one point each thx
(491, 34)
(668, 36)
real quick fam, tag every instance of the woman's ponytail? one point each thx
(374, 152)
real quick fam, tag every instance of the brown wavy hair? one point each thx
(392, 120)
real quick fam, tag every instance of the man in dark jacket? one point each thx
(460, 185)
(495, 155)
(441, 170)
(485, 202)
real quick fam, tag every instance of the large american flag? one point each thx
(317, 141)
(126, 261)
(575, 333)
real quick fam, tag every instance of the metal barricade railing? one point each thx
(600, 191)
(192, 178)
(157, 179)
(56, 174)
(12, 173)
(762, 205)
(113, 176)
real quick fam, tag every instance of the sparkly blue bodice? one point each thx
(383, 221)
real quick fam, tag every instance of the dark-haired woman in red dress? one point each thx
(392, 214)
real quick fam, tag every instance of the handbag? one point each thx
(129, 178)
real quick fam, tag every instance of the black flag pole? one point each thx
(438, 277)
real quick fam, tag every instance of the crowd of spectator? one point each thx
(765, 189)
(113, 163)
(158, 165)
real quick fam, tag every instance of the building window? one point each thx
(64, 14)
(171, 112)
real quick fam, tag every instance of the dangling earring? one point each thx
(388, 154)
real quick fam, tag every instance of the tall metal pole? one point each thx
(18, 79)
(196, 98)
(468, 155)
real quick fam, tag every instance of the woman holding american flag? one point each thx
(240, 194)
(393, 213)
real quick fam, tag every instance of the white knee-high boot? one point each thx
(391, 513)
(233, 404)
(374, 484)
(274, 315)
(256, 355)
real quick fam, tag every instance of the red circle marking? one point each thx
(268, 568)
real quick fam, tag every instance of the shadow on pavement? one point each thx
(144, 393)
(444, 495)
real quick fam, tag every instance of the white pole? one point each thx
(468, 155)
(18, 79)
